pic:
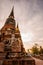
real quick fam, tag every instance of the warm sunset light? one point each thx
(27, 37)
(21, 32)
(29, 15)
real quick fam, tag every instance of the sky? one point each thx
(29, 15)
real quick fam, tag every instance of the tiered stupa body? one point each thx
(10, 37)
(12, 51)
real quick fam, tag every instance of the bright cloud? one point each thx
(29, 15)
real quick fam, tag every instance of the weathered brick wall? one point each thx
(1, 47)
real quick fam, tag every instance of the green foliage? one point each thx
(35, 49)
(28, 50)
(41, 50)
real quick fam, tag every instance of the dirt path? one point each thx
(38, 61)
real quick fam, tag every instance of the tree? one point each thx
(35, 49)
(28, 50)
(41, 50)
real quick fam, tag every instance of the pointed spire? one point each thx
(10, 19)
(17, 28)
(12, 13)
(17, 25)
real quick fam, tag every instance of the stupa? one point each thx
(12, 51)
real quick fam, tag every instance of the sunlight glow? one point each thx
(27, 37)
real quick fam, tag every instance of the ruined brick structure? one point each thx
(10, 38)
(12, 51)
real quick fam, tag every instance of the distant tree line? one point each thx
(36, 49)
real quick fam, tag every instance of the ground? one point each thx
(38, 61)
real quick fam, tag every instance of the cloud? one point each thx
(28, 13)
